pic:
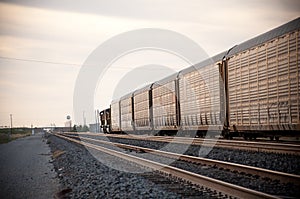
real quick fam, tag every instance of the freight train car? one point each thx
(202, 96)
(126, 113)
(142, 116)
(263, 83)
(115, 114)
(164, 105)
(251, 90)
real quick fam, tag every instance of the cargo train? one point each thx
(250, 90)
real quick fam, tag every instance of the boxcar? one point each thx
(164, 104)
(264, 82)
(201, 96)
(115, 116)
(126, 110)
(142, 107)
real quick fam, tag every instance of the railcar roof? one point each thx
(128, 95)
(256, 41)
(165, 80)
(206, 62)
(115, 101)
(143, 89)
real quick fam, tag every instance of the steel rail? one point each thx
(251, 146)
(256, 146)
(265, 173)
(293, 149)
(196, 179)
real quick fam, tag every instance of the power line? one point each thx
(39, 61)
(68, 64)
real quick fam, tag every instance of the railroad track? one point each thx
(293, 149)
(263, 173)
(225, 188)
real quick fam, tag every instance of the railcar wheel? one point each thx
(227, 137)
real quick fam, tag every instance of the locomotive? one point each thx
(250, 90)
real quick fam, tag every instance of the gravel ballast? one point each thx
(277, 162)
(82, 176)
(269, 186)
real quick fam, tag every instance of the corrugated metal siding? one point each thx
(141, 111)
(164, 105)
(126, 114)
(261, 39)
(264, 85)
(115, 116)
(200, 97)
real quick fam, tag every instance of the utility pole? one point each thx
(11, 126)
(32, 131)
(84, 120)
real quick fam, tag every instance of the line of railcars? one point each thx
(250, 90)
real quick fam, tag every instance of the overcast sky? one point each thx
(44, 43)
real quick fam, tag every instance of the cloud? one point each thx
(168, 10)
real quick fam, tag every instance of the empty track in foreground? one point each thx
(263, 173)
(227, 189)
(269, 147)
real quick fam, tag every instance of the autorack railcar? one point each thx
(126, 113)
(202, 96)
(263, 83)
(164, 105)
(142, 100)
(115, 115)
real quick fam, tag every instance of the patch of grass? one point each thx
(57, 153)
(19, 135)
(4, 138)
(16, 133)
